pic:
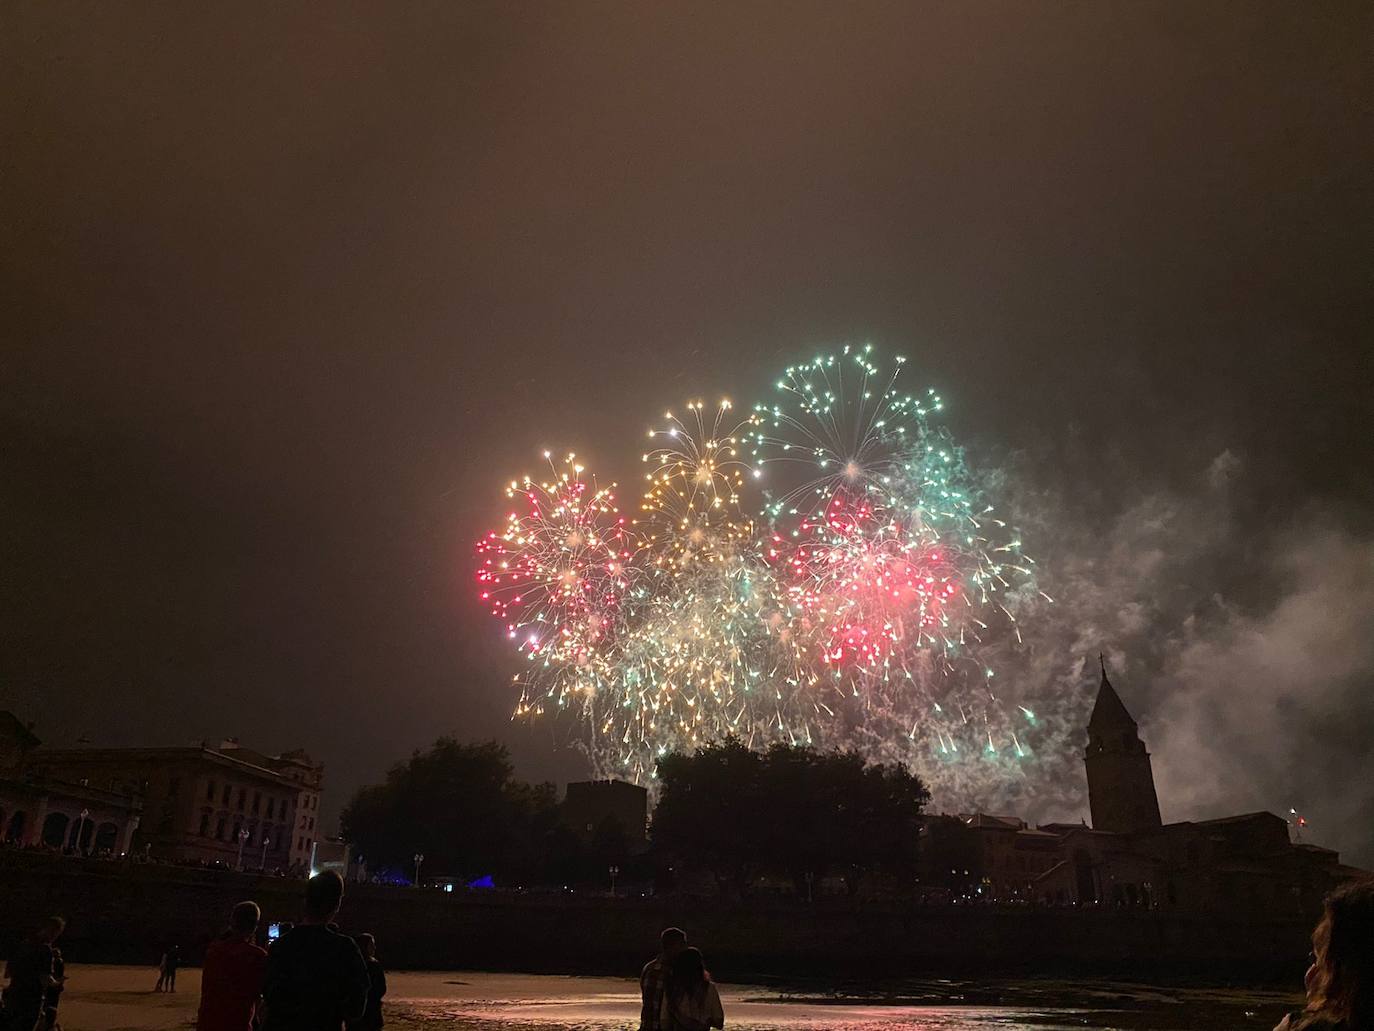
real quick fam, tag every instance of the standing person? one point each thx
(371, 1019)
(231, 980)
(1340, 981)
(691, 1001)
(316, 977)
(54, 993)
(654, 977)
(170, 962)
(30, 973)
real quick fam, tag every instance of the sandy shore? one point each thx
(120, 998)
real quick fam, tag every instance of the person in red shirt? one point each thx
(231, 980)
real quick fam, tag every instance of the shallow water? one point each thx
(494, 1002)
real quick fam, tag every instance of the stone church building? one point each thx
(1130, 858)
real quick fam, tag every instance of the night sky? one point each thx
(289, 295)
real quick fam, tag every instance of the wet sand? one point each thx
(115, 998)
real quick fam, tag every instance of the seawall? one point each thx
(120, 912)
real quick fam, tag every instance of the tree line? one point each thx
(738, 816)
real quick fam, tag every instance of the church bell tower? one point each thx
(1121, 783)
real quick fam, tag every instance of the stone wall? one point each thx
(126, 913)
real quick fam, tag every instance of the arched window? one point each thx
(55, 830)
(106, 837)
(15, 831)
(204, 825)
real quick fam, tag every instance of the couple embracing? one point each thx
(676, 991)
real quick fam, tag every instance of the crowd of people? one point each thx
(312, 977)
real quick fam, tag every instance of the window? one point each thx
(312, 824)
(237, 827)
(224, 799)
(257, 802)
(243, 799)
(210, 791)
(219, 829)
(204, 825)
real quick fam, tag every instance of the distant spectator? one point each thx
(31, 972)
(691, 1001)
(654, 977)
(316, 977)
(1340, 981)
(167, 970)
(371, 1019)
(232, 978)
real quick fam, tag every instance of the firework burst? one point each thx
(557, 572)
(691, 511)
(866, 603)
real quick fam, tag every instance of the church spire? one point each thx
(1121, 787)
(1109, 712)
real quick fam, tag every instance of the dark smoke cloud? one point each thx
(1245, 652)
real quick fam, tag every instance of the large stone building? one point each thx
(1130, 858)
(224, 804)
(53, 812)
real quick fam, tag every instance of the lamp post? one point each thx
(80, 824)
(265, 842)
(243, 840)
(614, 871)
(419, 858)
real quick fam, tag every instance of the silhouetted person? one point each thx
(53, 995)
(371, 1019)
(690, 1001)
(167, 970)
(654, 978)
(232, 978)
(31, 974)
(316, 978)
(1340, 981)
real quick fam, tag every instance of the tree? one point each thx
(460, 805)
(708, 810)
(791, 810)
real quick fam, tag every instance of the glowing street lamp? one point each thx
(80, 824)
(243, 840)
(419, 858)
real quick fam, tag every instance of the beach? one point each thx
(120, 998)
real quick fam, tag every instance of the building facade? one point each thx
(593, 807)
(223, 805)
(40, 811)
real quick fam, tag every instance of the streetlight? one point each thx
(419, 858)
(80, 823)
(244, 835)
(265, 842)
(614, 871)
